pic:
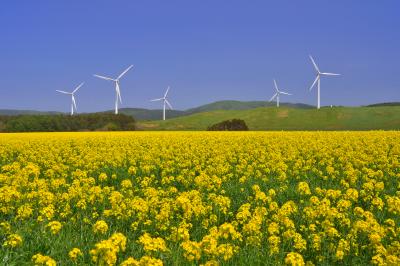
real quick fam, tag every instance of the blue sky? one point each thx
(205, 50)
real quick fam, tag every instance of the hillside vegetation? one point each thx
(146, 114)
(156, 114)
(272, 118)
(82, 122)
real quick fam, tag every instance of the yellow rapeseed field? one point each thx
(200, 198)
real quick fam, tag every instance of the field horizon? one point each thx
(258, 115)
(283, 118)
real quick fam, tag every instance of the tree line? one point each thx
(54, 123)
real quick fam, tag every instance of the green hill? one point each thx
(272, 118)
(149, 114)
(384, 104)
(239, 105)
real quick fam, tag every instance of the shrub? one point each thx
(229, 125)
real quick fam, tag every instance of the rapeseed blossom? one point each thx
(74, 254)
(204, 198)
(100, 227)
(13, 240)
(54, 227)
(43, 260)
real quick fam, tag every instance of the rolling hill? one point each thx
(148, 114)
(156, 114)
(384, 104)
(239, 105)
(261, 115)
(284, 118)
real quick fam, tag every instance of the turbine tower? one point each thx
(165, 102)
(277, 94)
(73, 102)
(117, 90)
(318, 80)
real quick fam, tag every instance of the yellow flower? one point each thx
(294, 259)
(274, 242)
(144, 261)
(54, 227)
(105, 252)
(103, 177)
(211, 263)
(75, 253)
(149, 261)
(375, 238)
(303, 188)
(40, 259)
(5, 228)
(130, 262)
(100, 227)
(152, 244)
(273, 228)
(13, 240)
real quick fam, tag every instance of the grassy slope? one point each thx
(156, 114)
(240, 105)
(147, 114)
(271, 118)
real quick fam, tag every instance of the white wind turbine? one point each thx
(73, 102)
(318, 79)
(165, 102)
(277, 94)
(117, 90)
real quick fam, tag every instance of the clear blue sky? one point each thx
(205, 50)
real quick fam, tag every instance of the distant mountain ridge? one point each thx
(384, 104)
(144, 114)
(156, 114)
(151, 114)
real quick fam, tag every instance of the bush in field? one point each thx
(229, 125)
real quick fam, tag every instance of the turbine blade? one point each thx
(77, 88)
(73, 101)
(282, 92)
(166, 93)
(159, 99)
(330, 74)
(276, 86)
(102, 77)
(315, 65)
(273, 97)
(315, 81)
(123, 73)
(169, 105)
(63, 92)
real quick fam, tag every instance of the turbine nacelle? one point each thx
(318, 78)
(117, 88)
(277, 94)
(165, 102)
(73, 102)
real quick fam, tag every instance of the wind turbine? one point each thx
(117, 90)
(277, 94)
(73, 102)
(165, 102)
(318, 79)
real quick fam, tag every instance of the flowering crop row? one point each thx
(202, 198)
